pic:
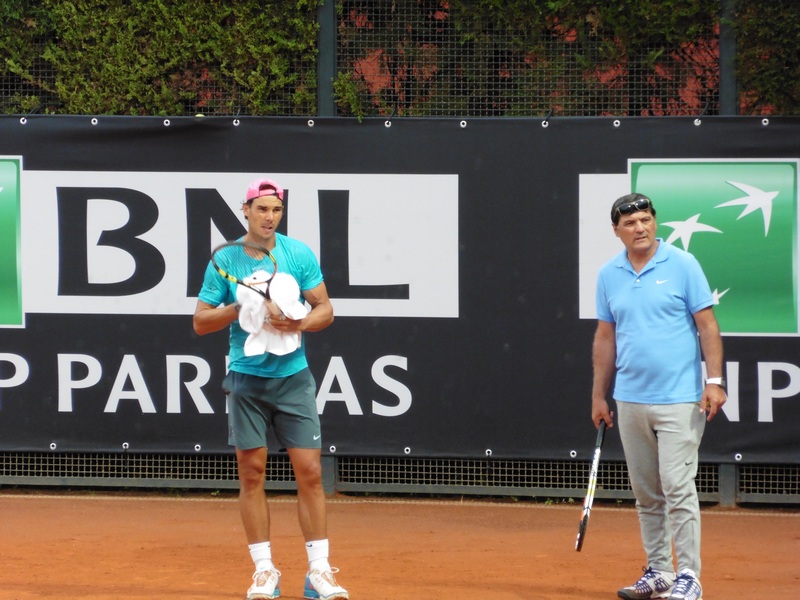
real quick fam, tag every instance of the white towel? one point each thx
(253, 318)
(285, 292)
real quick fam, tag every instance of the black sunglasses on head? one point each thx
(635, 206)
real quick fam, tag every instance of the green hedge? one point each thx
(768, 57)
(172, 57)
(159, 57)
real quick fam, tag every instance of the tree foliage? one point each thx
(158, 57)
(768, 57)
(404, 57)
(573, 57)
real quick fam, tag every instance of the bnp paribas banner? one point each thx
(738, 217)
(460, 256)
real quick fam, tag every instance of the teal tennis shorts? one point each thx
(285, 405)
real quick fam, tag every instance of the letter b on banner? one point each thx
(74, 272)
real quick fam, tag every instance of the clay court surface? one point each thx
(111, 545)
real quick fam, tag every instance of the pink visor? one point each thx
(263, 187)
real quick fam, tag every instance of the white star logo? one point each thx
(717, 295)
(756, 199)
(684, 230)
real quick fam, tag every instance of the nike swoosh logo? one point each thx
(660, 281)
(316, 437)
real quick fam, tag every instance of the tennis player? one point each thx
(655, 316)
(276, 392)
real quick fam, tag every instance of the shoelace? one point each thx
(643, 585)
(327, 577)
(261, 578)
(682, 584)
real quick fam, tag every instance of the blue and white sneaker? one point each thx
(687, 587)
(266, 585)
(321, 585)
(653, 584)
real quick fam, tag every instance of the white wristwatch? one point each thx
(720, 381)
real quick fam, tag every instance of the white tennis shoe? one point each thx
(653, 584)
(266, 585)
(321, 585)
(687, 587)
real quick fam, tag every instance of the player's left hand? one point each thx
(285, 325)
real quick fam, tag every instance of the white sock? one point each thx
(262, 556)
(318, 555)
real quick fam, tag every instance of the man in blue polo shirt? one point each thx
(655, 316)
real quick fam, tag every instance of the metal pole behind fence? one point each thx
(728, 100)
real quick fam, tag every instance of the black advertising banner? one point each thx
(460, 257)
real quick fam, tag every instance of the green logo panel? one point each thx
(10, 280)
(739, 218)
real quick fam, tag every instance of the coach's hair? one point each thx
(630, 199)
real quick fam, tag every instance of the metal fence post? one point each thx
(728, 482)
(728, 99)
(329, 474)
(326, 59)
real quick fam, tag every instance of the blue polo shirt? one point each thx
(293, 257)
(658, 350)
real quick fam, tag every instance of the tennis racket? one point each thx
(236, 261)
(587, 503)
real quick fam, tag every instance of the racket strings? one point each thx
(242, 262)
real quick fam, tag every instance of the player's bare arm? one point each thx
(604, 355)
(208, 318)
(320, 316)
(714, 396)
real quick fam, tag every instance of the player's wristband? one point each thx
(720, 381)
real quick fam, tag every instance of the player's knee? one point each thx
(308, 473)
(251, 473)
(250, 481)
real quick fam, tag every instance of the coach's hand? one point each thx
(601, 412)
(714, 397)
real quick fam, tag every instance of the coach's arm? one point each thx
(604, 356)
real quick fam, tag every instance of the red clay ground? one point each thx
(106, 546)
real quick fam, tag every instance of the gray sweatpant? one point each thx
(661, 444)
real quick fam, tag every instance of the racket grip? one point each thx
(601, 433)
